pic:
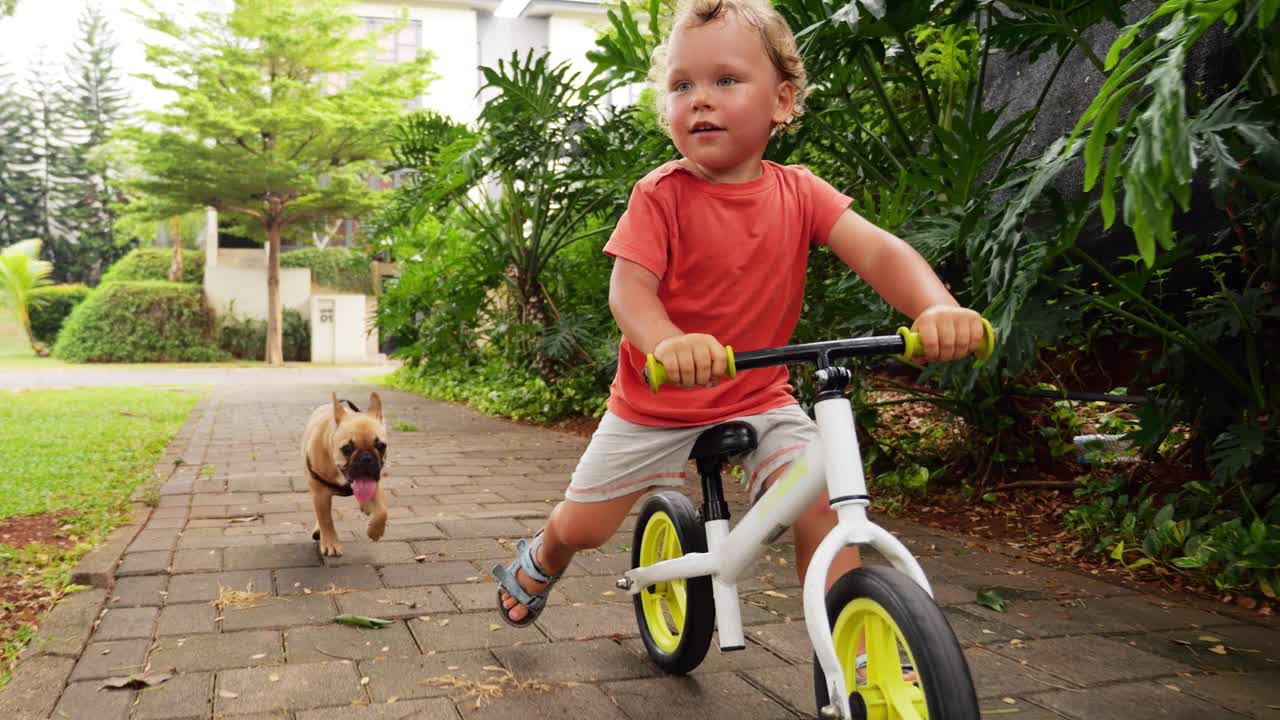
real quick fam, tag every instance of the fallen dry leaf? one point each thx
(135, 681)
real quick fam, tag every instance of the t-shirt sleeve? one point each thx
(643, 234)
(827, 204)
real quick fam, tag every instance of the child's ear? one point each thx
(784, 103)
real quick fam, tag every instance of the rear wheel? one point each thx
(676, 617)
(881, 613)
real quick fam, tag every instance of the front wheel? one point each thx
(676, 617)
(881, 613)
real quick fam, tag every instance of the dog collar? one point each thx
(343, 490)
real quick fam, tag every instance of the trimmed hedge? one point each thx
(246, 338)
(153, 264)
(336, 268)
(140, 322)
(50, 306)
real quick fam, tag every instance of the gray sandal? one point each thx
(507, 582)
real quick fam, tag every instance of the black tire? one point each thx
(700, 611)
(942, 672)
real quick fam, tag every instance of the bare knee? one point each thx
(584, 526)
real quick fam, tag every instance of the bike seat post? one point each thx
(711, 450)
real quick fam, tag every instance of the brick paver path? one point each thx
(463, 486)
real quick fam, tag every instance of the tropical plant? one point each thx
(21, 272)
(281, 116)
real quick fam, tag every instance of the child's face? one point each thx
(723, 97)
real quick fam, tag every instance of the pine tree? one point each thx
(92, 101)
(19, 188)
(45, 130)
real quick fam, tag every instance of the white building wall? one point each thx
(247, 289)
(570, 38)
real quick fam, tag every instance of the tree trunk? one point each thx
(175, 237)
(275, 336)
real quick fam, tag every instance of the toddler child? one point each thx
(713, 249)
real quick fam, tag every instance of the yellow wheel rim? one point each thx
(884, 691)
(666, 602)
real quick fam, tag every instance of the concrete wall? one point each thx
(339, 329)
(247, 287)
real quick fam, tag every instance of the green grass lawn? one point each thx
(80, 453)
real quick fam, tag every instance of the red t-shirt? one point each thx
(730, 260)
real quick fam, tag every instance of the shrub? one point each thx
(153, 264)
(246, 338)
(50, 306)
(338, 268)
(140, 322)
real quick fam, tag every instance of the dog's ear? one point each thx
(375, 405)
(338, 409)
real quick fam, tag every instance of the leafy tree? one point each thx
(18, 182)
(7, 7)
(92, 103)
(45, 131)
(281, 116)
(21, 272)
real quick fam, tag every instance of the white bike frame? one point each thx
(834, 457)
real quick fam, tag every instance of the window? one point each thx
(400, 46)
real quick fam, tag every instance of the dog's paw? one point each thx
(330, 547)
(377, 526)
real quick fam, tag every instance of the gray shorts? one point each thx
(624, 457)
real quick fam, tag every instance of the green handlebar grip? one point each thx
(915, 347)
(656, 375)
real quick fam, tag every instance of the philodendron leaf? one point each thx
(136, 681)
(991, 599)
(362, 621)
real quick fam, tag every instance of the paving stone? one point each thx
(138, 591)
(1108, 660)
(84, 700)
(270, 556)
(491, 528)
(591, 590)
(298, 580)
(105, 659)
(589, 621)
(470, 549)
(197, 560)
(722, 696)
(35, 687)
(589, 661)
(788, 640)
(124, 623)
(188, 619)
(67, 627)
(218, 652)
(1132, 701)
(791, 686)
(468, 632)
(175, 523)
(412, 529)
(429, 573)
(410, 677)
(599, 563)
(582, 701)
(327, 642)
(396, 602)
(154, 539)
(364, 552)
(182, 696)
(753, 657)
(996, 676)
(438, 709)
(295, 687)
(281, 612)
(203, 587)
(973, 630)
(1255, 694)
(476, 596)
(144, 563)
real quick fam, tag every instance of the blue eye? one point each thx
(681, 86)
(726, 81)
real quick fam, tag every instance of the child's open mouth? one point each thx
(702, 128)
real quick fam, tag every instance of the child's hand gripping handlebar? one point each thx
(905, 345)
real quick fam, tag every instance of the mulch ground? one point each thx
(23, 599)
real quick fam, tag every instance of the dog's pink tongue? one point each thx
(363, 489)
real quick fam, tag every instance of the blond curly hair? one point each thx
(779, 44)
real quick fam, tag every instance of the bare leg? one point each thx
(810, 528)
(572, 526)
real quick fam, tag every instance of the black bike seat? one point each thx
(725, 439)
